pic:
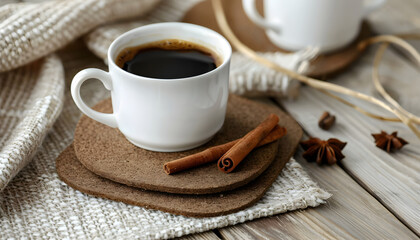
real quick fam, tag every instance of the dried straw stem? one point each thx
(402, 115)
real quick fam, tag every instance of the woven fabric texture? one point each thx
(247, 77)
(29, 31)
(31, 99)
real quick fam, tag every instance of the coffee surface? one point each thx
(167, 59)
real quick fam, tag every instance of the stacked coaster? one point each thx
(101, 162)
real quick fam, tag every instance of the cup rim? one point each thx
(174, 24)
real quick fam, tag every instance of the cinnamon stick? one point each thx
(214, 153)
(228, 162)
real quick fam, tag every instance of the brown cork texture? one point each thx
(72, 172)
(107, 153)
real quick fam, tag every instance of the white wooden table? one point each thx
(376, 195)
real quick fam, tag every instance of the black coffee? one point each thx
(168, 59)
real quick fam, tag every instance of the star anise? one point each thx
(322, 151)
(388, 142)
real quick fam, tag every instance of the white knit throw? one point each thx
(31, 99)
(31, 96)
(29, 31)
(247, 77)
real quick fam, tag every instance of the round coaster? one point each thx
(255, 37)
(106, 152)
(72, 172)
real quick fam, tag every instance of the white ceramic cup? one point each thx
(326, 24)
(163, 115)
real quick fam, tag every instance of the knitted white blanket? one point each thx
(29, 31)
(31, 97)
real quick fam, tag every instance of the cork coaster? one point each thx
(105, 152)
(72, 172)
(255, 37)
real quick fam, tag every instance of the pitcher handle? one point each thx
(252, 13)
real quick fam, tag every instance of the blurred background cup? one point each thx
(297, 24)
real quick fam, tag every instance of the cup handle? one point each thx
(372, 6)
(78, 80)
(251, 11)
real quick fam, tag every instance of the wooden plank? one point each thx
(393, 179)
(397, 17)
(201, 236)
(351, 213)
